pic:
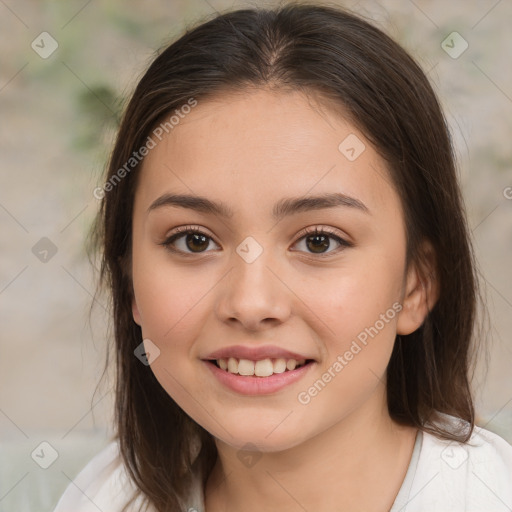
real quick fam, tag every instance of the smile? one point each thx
(265, 376)
(261, 368)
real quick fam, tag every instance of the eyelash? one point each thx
(192, 230)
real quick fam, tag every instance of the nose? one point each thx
(254, 296)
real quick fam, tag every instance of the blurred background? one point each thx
(65, 69)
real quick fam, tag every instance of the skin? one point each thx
(341, 451)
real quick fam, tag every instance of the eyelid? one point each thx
(311, 230)
(307, 231)
(191, 228)
(179, 232)
(339, 237)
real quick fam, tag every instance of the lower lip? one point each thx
(252, 385)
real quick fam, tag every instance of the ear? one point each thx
(135, 312)
(421, 292)
(125, 262)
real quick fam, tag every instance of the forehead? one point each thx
(250, 149)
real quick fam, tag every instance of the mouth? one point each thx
(258, 377)
(259, 368)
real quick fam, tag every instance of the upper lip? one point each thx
(255, 353)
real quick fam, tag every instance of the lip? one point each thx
(252, 385)
(255, 353)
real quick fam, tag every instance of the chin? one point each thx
(254, 437)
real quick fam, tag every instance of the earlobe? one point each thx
(135, 312)
(421, 294)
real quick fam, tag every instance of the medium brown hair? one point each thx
(349, 64)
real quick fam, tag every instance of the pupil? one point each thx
(324, 242)
(319, 242)
(196, 238)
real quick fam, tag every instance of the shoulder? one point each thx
(471, 477)
(102, 484)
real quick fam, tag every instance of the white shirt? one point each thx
(443, 476)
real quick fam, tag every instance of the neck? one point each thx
(357, 464)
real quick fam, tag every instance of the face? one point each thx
(256, 275)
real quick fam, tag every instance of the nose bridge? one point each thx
(251, 276)
(252, 292)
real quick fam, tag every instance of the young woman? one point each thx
(293, 284)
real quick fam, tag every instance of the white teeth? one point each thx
(261, 368)
(232, 365)
(245, 367)
(291, 364)
(279, 365)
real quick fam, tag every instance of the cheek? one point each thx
(172, 313)
(359, 328)
(347, 300)
(354, 311)
(168, 296)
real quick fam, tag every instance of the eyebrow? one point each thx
(283, 208)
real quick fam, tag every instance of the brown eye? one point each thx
(196, 242)
(319, 241)
(188, 241)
